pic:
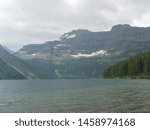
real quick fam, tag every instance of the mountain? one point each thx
(7, 49)
(72, 44)
(85, 54)
(77, 54)
(12, 67)
(84, 43)
(9, 72)
(135, 67)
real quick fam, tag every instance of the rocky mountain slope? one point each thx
(12, 67)
(9, 72)
(84, 43)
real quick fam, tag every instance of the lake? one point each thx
(74, 95)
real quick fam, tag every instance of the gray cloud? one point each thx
(35, 21)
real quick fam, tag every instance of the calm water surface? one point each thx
(75, 95)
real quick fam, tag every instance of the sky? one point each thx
(25, 22)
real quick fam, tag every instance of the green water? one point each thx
(86, 95)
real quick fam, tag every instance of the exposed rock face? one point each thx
(13, 68)
(124, 38)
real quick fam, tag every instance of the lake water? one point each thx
(63, 96)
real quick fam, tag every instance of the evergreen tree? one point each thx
(136, 66)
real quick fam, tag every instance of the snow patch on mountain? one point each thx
(67, 36)
(71, 36)
(100, 52)
(34, 54)
(60, 45)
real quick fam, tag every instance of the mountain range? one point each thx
(77, 54)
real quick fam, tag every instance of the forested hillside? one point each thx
(135, 67)
(8, 72)
(12, 67)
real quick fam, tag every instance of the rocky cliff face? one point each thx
(80, 43)
(13, 68)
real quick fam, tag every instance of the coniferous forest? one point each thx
(137, 66)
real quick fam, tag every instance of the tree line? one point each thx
(137, 66)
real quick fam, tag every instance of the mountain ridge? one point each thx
(15, 64)
(81, 48)
(86, 42)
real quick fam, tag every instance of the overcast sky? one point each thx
(36, 21)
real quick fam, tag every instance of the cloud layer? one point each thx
(35, 21)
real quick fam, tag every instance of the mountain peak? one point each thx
(80, 30)
(73, 34)
(120, 27)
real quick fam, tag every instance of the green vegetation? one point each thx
(69, 69)
(8, 72)
(137, 66)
